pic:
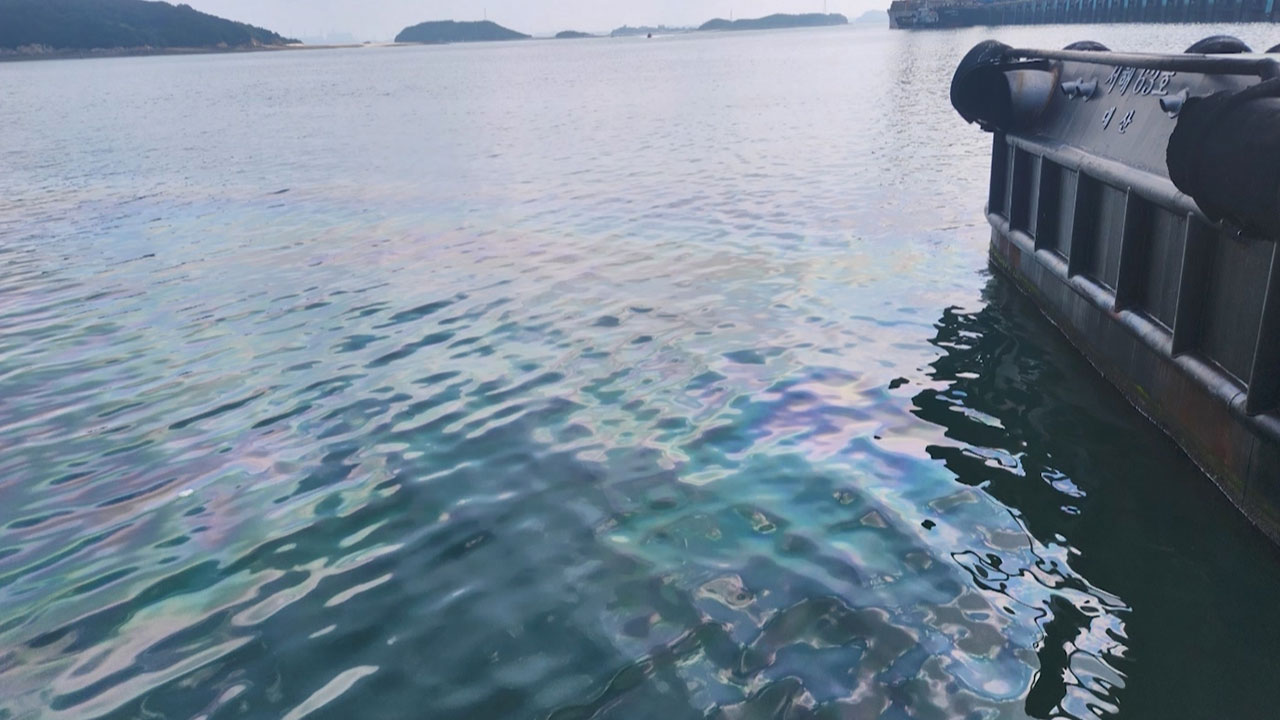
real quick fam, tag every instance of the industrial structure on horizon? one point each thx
(912, 14)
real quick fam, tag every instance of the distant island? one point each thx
(775, 22)
(34, 28)
(628, 31)
(572, 35)
(449, 31)
(878, 17)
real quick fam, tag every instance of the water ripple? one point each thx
(708, 407)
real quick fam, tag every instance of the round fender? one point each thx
(1090, 45)
(979, 91)
(999, 93)
(1225, 153)
(1218, 45)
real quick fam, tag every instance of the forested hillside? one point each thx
(95, 24)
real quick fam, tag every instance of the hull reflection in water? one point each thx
(1111, 497)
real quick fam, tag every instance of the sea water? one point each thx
(603, 378)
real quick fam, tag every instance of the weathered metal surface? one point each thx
(1180, 312)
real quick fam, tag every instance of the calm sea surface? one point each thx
(622, 379)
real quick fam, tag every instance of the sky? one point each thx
(382, 19)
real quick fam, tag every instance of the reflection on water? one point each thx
(382, 405)
(1029, 422)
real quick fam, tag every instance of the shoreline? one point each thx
(13, 56)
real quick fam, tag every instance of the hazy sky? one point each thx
(382, 19)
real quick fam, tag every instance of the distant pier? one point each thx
(1044, 12)
(909, 14)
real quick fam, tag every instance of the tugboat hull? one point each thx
(1174, 298)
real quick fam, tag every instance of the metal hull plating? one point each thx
(1180, 312)
(1240, 453)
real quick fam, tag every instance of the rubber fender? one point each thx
(1225, 153)
(1090, 45)
(1274, 49)
(979, 91)
(1218, 45)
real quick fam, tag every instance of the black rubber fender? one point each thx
(1225, 153)
(1273, 49)
(979, 91)
(1218, 45)
(1089, 45)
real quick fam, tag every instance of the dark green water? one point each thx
(569, 380)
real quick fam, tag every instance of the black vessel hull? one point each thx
(1095, 217)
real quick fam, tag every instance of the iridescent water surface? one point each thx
(618, 379)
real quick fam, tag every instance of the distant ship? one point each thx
(919, 14)
(911, 14)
